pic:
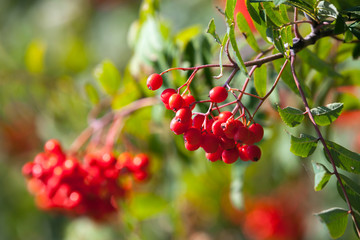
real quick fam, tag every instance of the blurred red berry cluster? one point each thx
(63, 183)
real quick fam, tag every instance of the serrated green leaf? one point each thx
(322, 176)
(291, 116)
(303, 146)
(212, 30)
(274, 15)
(245, 29)
(92, 94)
(260, 80)
(325, 115)
(318, 64)
(146, 205)
(108, 77)
(352, 190)
(344, 158)
(336, 220)
(325, 10)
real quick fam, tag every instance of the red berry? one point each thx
(175, 101)
(140, 161)
(189, 100)
(224, 116)
(243, 153)
(198, 121)
(217, 128)
(183, 115)
(154, 81)
(193, 136)
(141, 176)
(218, 94)
(213, 157)
(242, 134)
(227, 143)
(191, 147)
(179, 127)
(209, 142)
(27, 169)
(257, 131)
(230, 127)
(253, 152)
(53, 146)
(166, 94)
(230, 155)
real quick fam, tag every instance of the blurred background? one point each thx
(48, 52)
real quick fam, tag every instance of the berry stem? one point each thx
(322, 140)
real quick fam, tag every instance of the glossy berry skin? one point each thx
(210, 143)
(193, 136)
(198, 121)
(253, 152)
(175, 102)
(242, 153)
(183, 114)
(217, 128)
(53, 146)
(257, 131)
(166, 94)
(179, 127)
(189, 101)
(224, 116)
(140, 161)
(154, 81)
(218, 94)
(242, 134)
(213, 157)
(191, 147)
(230, 155)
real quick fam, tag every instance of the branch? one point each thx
(322, 140)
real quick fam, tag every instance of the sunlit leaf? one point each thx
(108, 77)
(325, 115)
(291, 116)
(304, 145)
(325, 10)
(274, 15)
(245, 29)
(336, 220)
(260, 80)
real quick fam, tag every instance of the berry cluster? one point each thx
(223, 137)
(92, 187)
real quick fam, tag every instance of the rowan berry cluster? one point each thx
(92, 188)
(222, 135)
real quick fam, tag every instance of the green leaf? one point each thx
(322, 176)
(352, 190)
(344, 158)
(351, 13)
(229, 10)
(231, 32)
(108, 77)
(283, 11)
(324, 10)
(318, 64)
(286, 36)
(291, 116)
(273, 15)
(304, 6)
(146, 205)
(91, 93)
(348, 36)
(356, 51)
(325, 115)
(303, 146)
(277, 40)
(340, 25)
(212, 30)
(254, 13)
(260, 79)
(184, 36)
(336, 220)
(355, 29)
(245, 29)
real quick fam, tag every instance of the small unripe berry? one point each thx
(218, 94)
(154, 81)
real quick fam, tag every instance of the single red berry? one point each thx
(258, 132)
(227, 143)
(183, 114)
(230, 127)
(198, 121)
(179, 127)
(189, 101)
(107, 160)
(193, 136)
(53, 146)
(217, 128)
(218, 94)
(253, 152)
(213, 157)
(224, 116)
(141, 161)
(230, 155)
(175, 101)
(27, 169)
(154, 81)
(166, 94)
(191, 147)
(243, 153)
(209, 142)
(141, 176)
(242, 134)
